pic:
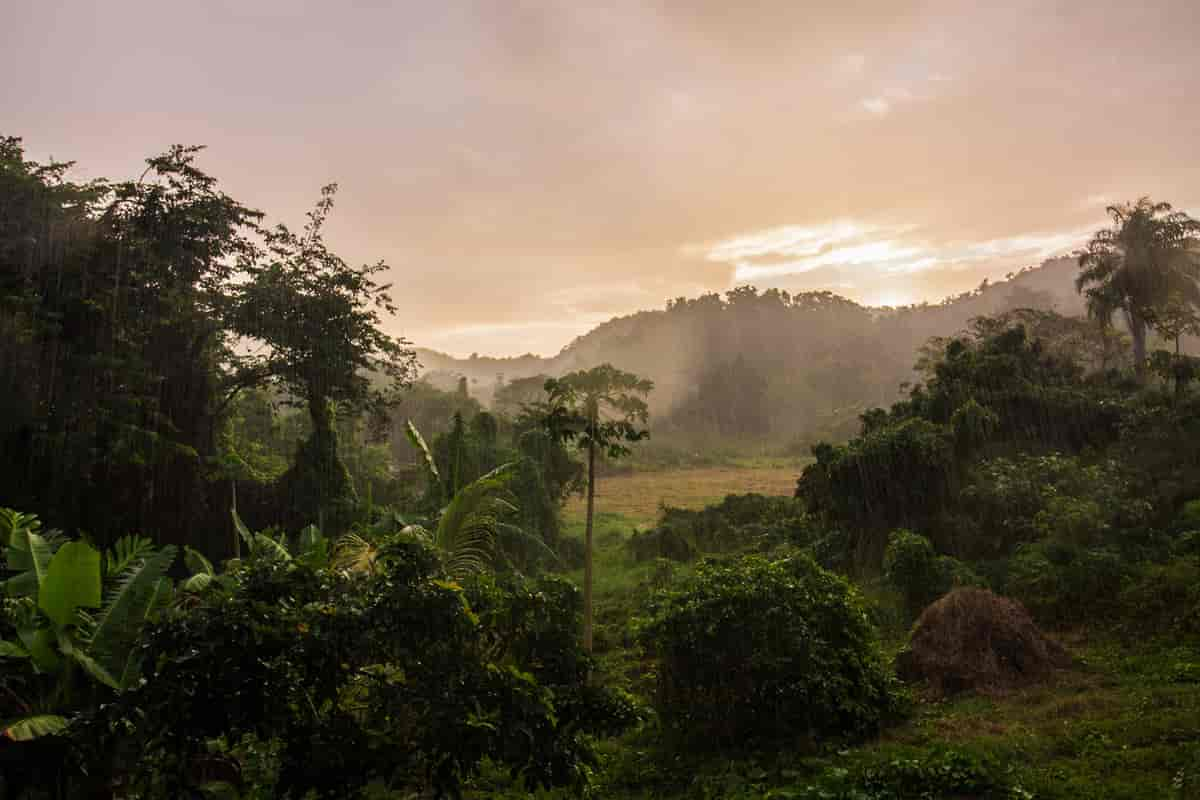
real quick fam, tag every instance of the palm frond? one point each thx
(354, 553)
(466, 531)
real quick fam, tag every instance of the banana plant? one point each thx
(76, 610)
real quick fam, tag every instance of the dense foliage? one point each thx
(760, 648)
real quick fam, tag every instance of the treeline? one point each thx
(751, 368)
(135, 314)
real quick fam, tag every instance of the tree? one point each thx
(597, 409)
(1150, 255)
(320, 320)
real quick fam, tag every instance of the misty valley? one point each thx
(756, 544)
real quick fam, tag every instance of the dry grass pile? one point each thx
(972, 639)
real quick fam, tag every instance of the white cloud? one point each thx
(876, 105)
(878, 248)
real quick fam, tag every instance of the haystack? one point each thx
(972, 639)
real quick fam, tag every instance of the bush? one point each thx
(1064, 584)
(937, 773)
(760, 648)
(913, 567)
(402, 678)
(1165, 599)
(740, 522)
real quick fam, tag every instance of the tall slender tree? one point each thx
(1148, 259)
(599, 410)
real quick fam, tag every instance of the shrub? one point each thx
(739, 522)
(1165, 599)
(1063, 584)
(761, 648)
(937, 773)
(391, 678)
(912, 566)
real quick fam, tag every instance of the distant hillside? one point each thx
(768, 366)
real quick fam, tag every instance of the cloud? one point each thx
(857, 246)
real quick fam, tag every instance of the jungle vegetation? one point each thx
(244, 552)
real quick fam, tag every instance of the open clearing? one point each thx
(638, 496)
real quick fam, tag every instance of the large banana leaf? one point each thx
(243, 531)
(128, 604)
(127, 550)
(27, 551)
(12, 650)
(201, 568)
(72, 582)
(33, 726)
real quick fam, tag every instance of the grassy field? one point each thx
(1122, 724)
(638, 496)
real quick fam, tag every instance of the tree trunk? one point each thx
(1137, 329)
(587, 548)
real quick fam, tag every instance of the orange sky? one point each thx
(530, 169)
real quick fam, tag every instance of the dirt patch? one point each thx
(973, 640)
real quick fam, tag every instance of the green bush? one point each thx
(913, 567)
(1064, 584)
(401, 678)
(1165, 599)
(935, 774)
(755, 648)
(740, 522)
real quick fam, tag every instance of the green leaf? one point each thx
(24, 729)
(311, 538)
(125, 552)
(197, 563)
(269, 548)
(27, 551)
(418, 442)
(93, 668)
(12, 650)
(40, 644)
(242, 530)
(72, 581)
(126, 609)
(198, 582)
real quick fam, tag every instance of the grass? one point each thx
(1122, 724)
(639, 495)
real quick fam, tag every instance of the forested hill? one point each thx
(768, 365)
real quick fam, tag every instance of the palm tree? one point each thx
(468, 530)
(600, 408)
(1149, 255)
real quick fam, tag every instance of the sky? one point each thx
(531, 169)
